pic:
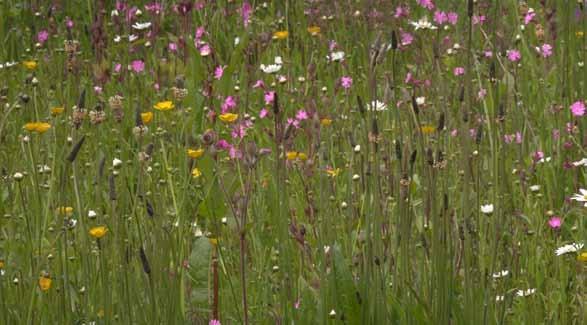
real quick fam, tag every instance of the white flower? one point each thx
(92, 214)
(543, 160)
(326, 249)
(237, 41)
(487, 208)
(116, 162)
(525, 293)
(357, 148)
(535, 188)
(499, 298)
(500, 274)
(114, 13)
(332, 313)
(141, 26)
(356, 177)
(376, 106)
(132, 38)
(421, 100)
(18, 176)
(271, 68)
(582, 162)
(570, 248)
(423, 23)
(335, 56)
(278, 60)
(581, 197)
(10, 64)
(44, 169)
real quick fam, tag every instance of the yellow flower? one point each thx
(427, 129)
(333, 172)
(1, 264)
(164, 106)
(325, 121)
(39, 127)
(57, 110)
(65, 210)
(283, 34)
(196, 173)
(31, 65)
(45, 283)
(98, 232)
(579, 33)
(213, 241)
(195, 153)
(147, 117)
(293, 155)
(582, 257)
(314, 30)
(228, 117)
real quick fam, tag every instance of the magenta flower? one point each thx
(246, 11)
(205, 50)
(263, 113)
(346, 82)
(428, 4)
(440, 17)
(42, 36)
(117, 67)
(555, 222)
(269, 97)
(545, 50)
(259, 84)
(529, 16)
(68, 23)
(214, 322)
(452, 17)
(154, 7)
(514, 55)
(234, 153)
(301, 115)
(218, 72)
(578, 108)
(406, 38)
(172, 47)
(459, 71)
(401, 11)
(229, 103)
(138, 66)
(97, 90)
(479, 20)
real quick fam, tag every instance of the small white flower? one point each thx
(582, 162)
(44, 169)
(278, 60)
(499, 298)
(282, 79)
(525, 293)
(581, 197)
(335, 56)
(15, 280)
(326, 249)
(487, 208)
(356, 177)
(500, 274)
(18, 176)
(332, 313)
(224, 221)
(543, 160)
(92, 214)
(272, 68)
(114, 13)
(141, 26)
(132, 38)
(376, 106)
(535, 188)
(423, 23)
(344, 205)
(2, 272)
(116, 163)
(237, 41)
(570, 248)
(421, 100)
(357, 148)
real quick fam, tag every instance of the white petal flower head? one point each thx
(271, 68)
(582, 162)
(141, 26)
(535, 188)
(500, 274)
(487, 208)
(335, 56)
(117, 39)
(423, 23)
(132, 38)
(570, 248)
(525, 293)
(582, 197)
(376, 106)
(116, 163)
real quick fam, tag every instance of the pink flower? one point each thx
(459, 71)
(222, 145)
(138, 66)
(401, 11)
(172, 47)
(332, 45)
(294, 122)
(578, 108)
(301, 115)
(545, 50)
(68, 23)
(478, 20)
(555, 222)
(529, 16)
(246, 11)
(200, 31)
(482, 93)
(518, 137)
(269, 97)
(154, 7)
(440, 17)
(514, 55)
(556, 134)
(214, 322)
(259, 84)
(97, 90)
(488, 54)
(218, 72)
(229, 103)
(454, 132)
(43, 36)
(234, 153)
(205, 50)
(117, 67)
(263, 113)
(452, 17)
(405, 38)
(346, 82)
(428, 4)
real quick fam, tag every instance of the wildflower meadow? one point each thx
(293, 162)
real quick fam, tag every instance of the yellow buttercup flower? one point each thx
(39, 127)
(293, 155)
(228, 117)
(196, 173)
(213, 241)
(147, 117)
(283, 34)
(427, 129)
(57, 110)
(31, 64)
(197, 153)
(45, 283)
(333, 172)
(98, 232)
(579, 33)
(164, 106)
(582, 257)
(65, 210)
(314, 30)
(325, 122)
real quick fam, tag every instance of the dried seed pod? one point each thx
(393, 40)
(440, 125)
(413, 157)
(149, 208)
(111, 188)
(144, 261)
(275, 104)
(75, 150)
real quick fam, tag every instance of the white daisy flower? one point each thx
(271, 68)
(525, 293)
(114, 13)
(92, 214)
(116, 163)
(582, 162)
(421, 100)
(535, 188)
(423, 23)
(570, 248)
(376, 106)
(544, 160)
(499, 298)
(500, 274)
(335, 56)
(487, 208)
(141, 26)
(132, 38)
(581, 197)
